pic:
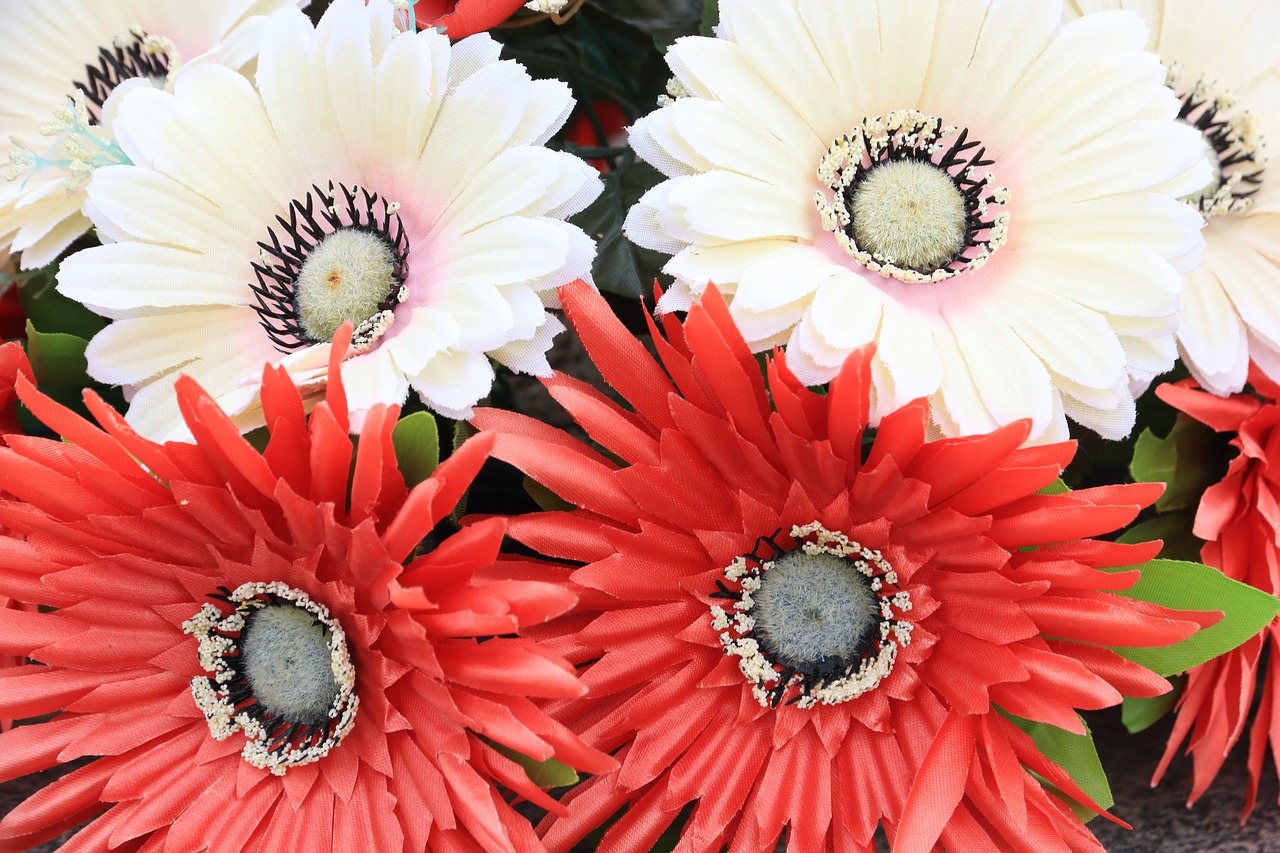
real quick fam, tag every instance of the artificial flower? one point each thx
(55, 139)
(1239, 520)
(257, 648)
(794, 628)
(1225, 69)
(376, 177)
(987, 194)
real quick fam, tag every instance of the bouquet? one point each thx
(662, 425)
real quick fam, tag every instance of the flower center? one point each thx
(815, 623)
(138, 54)
(336, 259)
(909, 211)
(813, 609)
(909, 204)
(1233, 145)
(346, 277)
(281, 673)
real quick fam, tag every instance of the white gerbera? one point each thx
(371, 176)
(51, 137)
(986, 194)
(1224, 65)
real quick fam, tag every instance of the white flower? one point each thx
(372, 176)
(1224, 65)
(49, 50)
(986, 194)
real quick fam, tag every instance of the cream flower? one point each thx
(987, 194)
(1224, 66)
(51, 141)
(372, 176)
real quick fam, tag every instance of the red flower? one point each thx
(1239, 519)
(13, 363)
(462, 18)
(787, 626)
(258, 648)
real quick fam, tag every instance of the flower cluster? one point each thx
(812, 560)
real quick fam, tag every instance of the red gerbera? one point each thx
(257, 646)
(1239, 519)
(791, 628)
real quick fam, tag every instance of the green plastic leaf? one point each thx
(1074, 753)
(663, 20)
(545, 774)
(417, 442)
(1175, 529)
(57, 359)
(621, 267)
(1141, 713)
(1057, 487)
(1191, 586)
(1185, 461)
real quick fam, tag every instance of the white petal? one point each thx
(530, 356)
(906, 349)
(137, 350)
(724, 206)
(1011, 381)
(453, 382)
(120, 277)
(1211, 335)
(427, 331)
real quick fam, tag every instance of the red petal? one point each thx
(938, 786)
(1223, 414)
(621, 359)
(511, 666)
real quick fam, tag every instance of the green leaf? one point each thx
(1140, 713)
(49, 311)
(663, 20)
(1191, 586)
(710, 17)
(417, 442)
(1174, 528)
(1074, 753)
(57, 359)
(1185, 461)
(1057, 487)
(621, 267)
(544, 774)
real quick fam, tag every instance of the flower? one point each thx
(257, 646)
(986, 194)
(462, 18)
(49, 50)
(1225, 70)
(767, 598)
(376, 177)
(1238, 519)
